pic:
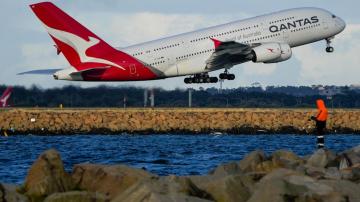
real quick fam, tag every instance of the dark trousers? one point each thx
(320, 130)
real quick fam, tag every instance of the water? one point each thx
(160, 154)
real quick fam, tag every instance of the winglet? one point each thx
(217, 43)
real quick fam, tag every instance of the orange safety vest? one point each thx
(323, 112)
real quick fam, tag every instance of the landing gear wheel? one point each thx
(329, 49)
(223, 76)
(214, 79)
(201, 78)
(231, 77)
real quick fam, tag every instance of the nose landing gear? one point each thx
(329, 48)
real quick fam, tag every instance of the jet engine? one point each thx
(271, 53)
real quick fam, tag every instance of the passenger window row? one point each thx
(304, 28)
(157, 63)
(224, 33)
(261, 38)
(166, 47)
(282, 20)
(194, 54)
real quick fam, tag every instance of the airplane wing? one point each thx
(230, 53)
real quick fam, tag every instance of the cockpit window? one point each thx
(333, 16)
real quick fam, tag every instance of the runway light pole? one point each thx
(152, 98)
(190, 97)
(146, 97)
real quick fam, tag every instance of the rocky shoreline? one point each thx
(280, 177)
(159, 121)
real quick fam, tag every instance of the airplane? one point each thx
(5, 97)
(264, 39)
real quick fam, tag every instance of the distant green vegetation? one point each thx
(104, 96)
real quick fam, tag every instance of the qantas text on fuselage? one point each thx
(294, 24)
(263, 39)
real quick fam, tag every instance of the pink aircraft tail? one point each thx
(4, 99)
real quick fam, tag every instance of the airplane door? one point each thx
(286, 36)
(325, 24)
(132, 69)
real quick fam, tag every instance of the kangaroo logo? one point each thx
(80, 45)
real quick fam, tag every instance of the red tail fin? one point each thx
(5, 97)
(82, 48)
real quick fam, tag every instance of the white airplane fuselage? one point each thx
(186, 54)
(263, 39)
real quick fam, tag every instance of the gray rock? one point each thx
(155, 197)
(76, 196)
(8, 193)
(349, 190)
(226, 169)
(315, 172)
(108, 180)
(322, 158)
(47, 176)
(332, 173)
(250, 161)
(286, 185)
(352, 155)
(230, 188)
(286, 159)
(169, 188)
(351, 174)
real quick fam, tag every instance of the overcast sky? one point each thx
(25, 45)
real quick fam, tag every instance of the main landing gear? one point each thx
(329, 48)
(205, 78)
(201, 78)
(227, 76)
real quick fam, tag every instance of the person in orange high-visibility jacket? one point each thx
(320, 120)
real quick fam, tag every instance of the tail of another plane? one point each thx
(5, 97)
(82, 48)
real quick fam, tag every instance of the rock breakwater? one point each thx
(280, 177)
(116, 121)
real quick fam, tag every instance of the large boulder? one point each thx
(286, 159)
(8, 193)
(286, 185)
(349, 190)
(108, 180)
(352, 155)
(351, 173)
(47, 176)
(165, 189)
(322, 158)
(76, 196)
(230, 188)
(315, 172)
(250, 162)
(226, 169)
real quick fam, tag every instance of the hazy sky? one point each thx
(25, 45)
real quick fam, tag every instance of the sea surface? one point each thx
(160, 154)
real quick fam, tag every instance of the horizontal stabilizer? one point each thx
(97, 70)
(41, 72)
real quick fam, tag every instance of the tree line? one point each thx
(105, 96)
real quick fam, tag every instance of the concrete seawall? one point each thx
(115, 121)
